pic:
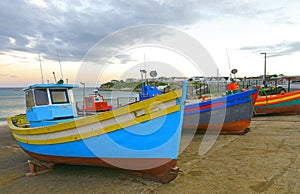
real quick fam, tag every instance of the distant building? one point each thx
(114, 81)
(131, 80)
(285, 79)
(163, 79)
(180, 79)
(197, 78)
(215, 79)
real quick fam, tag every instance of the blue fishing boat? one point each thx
(230, 114)
(140, 138)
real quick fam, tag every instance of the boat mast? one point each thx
(61, 73)
(228, 63)
(41, 68)
(54, 77)
(145, 70)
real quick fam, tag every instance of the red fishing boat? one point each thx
(94, 103)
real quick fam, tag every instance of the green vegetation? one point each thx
(133, 86)
(107, 85)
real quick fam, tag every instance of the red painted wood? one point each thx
(165, 170)
(235, 127)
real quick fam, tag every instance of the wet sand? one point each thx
(265, 160)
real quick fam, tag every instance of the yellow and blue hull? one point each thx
(142, 138)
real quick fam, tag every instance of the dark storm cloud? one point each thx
(73, 27)
(280, 49)
(37, 29)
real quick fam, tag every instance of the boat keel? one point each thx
(165, 178)
(37, 167)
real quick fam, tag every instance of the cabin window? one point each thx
(59, 96)
(41, 97)
(90, 102)
(29, 99)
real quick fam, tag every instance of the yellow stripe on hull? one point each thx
(32, 140)
(97, 124)
(146, 104)
(278, 100)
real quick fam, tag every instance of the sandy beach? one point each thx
(265, 160)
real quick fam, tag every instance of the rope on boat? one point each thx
(251, 101)
(265, 93)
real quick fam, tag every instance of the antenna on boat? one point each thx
(153, 74)
(228, 61)
(54, 77)
(41, 68)
(62, 77)
(234, 71)
(145, 70)
(83, 95)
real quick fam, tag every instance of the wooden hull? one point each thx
(227, 115)
(279, 104)
(234, 127)
(141, 139)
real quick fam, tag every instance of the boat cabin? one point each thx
(148, 92)
(232, 88)
(48, 104)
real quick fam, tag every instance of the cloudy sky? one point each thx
(233, 32)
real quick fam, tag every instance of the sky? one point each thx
(94, 41)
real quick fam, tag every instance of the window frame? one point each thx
(29, 99)
(37, 98)
(59, 90)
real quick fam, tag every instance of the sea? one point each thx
(12, 101)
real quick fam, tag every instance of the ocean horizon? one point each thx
(12, 102)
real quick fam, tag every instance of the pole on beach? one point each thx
(265, 69)
(83, 95)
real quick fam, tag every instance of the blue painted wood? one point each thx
(227, 101)
(156, 138)
(51, 86)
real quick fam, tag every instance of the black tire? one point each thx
(281, 91)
